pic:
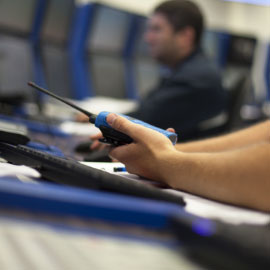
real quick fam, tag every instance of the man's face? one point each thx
(161, 38)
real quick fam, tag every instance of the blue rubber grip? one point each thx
(101, 121)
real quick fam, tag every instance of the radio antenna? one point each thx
(92, 117)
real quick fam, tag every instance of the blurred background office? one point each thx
(93, 52)
(83, 49)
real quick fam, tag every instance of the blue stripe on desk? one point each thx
(63, 200)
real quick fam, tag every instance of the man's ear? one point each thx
(186, 36)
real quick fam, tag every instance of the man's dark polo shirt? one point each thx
(191, 94)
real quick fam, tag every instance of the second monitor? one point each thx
(105, 46)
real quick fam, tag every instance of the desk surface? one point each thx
(34, 245)
(23, 237)
(200, 206)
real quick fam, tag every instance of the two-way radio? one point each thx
(110, 135)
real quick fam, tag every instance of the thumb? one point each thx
(171, 130)
(125, 126)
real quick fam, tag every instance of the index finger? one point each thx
(135, 131)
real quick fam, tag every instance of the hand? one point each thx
(148, 151)
(80, 117)
(97, 145)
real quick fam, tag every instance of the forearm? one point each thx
(234, 176)
(240, 176)
(248, 136)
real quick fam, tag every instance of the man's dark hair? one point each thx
(182, 13)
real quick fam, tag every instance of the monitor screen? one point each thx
(108, 76)
(16, 66)
(57, 21)
(109, 30)
(57, 70)
(241, 50)
(16, 16)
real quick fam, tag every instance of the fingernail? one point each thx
(110, 118)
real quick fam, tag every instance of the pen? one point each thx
(119, 169)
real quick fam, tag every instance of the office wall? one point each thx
(249, 19)
(234, 17)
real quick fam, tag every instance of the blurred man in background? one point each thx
(192, 91)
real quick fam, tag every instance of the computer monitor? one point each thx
(215, 44)
(241, 51)
(16, 16)
(57, 22)
(109, 30)
(105, 47)
(237, 76)
(259, 84)
(55, 35)
(239, 60)
(16, 62)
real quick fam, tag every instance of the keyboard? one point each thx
(70, 172)
(13, 133)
